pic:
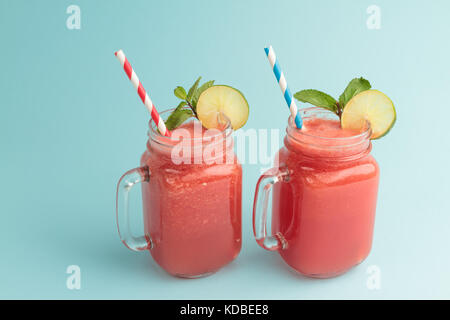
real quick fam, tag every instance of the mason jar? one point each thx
(191, 194)
(324, 198)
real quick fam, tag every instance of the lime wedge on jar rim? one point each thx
(372, 106)
(227, 100)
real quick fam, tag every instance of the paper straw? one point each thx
(142, 93)
(284, 86)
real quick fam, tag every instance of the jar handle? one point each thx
(263, 188)
(125, 184)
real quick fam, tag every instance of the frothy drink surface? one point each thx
(325, 211)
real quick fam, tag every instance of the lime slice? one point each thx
(225, 99)
(372, 106)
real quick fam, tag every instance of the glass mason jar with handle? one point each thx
(324, 197)
(191, 192)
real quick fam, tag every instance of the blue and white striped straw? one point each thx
(283, 85)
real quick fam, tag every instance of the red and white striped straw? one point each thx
(142, 93)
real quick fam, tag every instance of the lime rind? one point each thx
(225, 99)
(372, 106)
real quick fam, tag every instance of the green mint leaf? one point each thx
(355, 86)
(192, 90)
(199, 91)
(180, 93)
(317, 98)
(180, 105)
(178, 116)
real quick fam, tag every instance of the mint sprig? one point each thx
(323, 100)
(187, 108)
(317, 98)
(180, 93)
(355, 86)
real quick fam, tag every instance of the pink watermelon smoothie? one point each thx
(326, 210)
(192, 212)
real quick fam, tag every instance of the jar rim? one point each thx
(316, 146)
(313, 112)
(157, 137)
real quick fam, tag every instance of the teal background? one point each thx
(70, 125)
